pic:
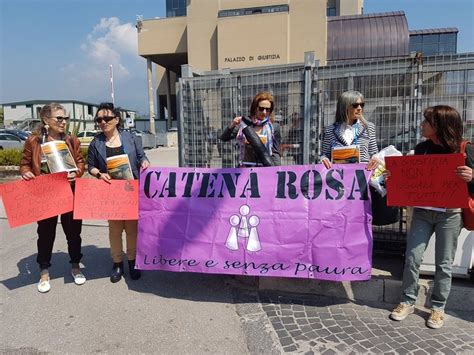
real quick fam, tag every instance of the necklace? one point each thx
(111, 141)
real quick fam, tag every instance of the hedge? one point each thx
(12, 157)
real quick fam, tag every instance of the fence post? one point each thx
(419, 84)
(309, 64)
(186, 75)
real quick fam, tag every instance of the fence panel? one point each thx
(395, 90)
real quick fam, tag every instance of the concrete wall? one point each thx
(163, 36)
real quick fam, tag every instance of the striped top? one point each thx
(333, 137)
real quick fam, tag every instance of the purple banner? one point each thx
(291, 221)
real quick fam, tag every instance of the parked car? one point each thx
(16, 132)
(148, 139)
(86, 137)
(9, 141)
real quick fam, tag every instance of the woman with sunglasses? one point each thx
(350, 128)
(53, 127)
(111, 142)
(443, 130)
(261, 116)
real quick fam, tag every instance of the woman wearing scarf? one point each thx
(261, 122)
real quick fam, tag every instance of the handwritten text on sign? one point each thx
(96, 199)
(426, 180)
(30, 201)
(299, 221)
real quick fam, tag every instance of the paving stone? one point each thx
(332, 338)
(286, 341)
(290, 348)
(329, 322)
(329, 352)
(287, 320)
(286, 312)
(299, 314)
(290, 327)
(302, 321)
(420, 352)
(335, 329)
(298, 308)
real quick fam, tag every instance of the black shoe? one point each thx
(117, 272)
(135, 274)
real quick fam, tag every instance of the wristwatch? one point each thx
(98, 175)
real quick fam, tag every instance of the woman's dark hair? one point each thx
(109, 106)
(447, 124)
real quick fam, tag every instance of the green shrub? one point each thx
(84, 152)
(13, 156)
(10, 157)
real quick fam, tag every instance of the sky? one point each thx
(62, 49)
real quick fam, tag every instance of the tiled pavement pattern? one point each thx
(320, 325)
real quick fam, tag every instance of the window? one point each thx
(13, 107)
(254, 11)
(331, 11)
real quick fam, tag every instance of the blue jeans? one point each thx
(446, 226)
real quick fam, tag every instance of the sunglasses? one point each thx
(106, 119)
(60, 119)
(361, 104)
(261, 109)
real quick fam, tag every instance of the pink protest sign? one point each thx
(300, 221)
(30, 201)
(96, 199)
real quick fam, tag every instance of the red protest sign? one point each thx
(426, 180)
(96, 199)
(30, 201)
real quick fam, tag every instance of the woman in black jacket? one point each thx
(261, 122)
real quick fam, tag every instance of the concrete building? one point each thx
(22, 113)
(211, 35)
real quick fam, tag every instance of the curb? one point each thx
(9, 171)
(377, 289)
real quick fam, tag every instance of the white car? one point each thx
(86, 137)
(9, 141)
(148, 139)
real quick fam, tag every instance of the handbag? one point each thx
(468, 212)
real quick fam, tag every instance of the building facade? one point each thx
(228, 35)
(20, 113)
(215, 35)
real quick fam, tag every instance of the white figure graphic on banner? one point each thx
(243, 230)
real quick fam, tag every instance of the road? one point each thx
(186, 313)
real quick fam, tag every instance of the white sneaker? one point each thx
(44, 286)
(402, 311)
(79, 278)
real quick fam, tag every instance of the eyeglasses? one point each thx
(261, 109)
(106, 119)
(357, 104)
(60, 119)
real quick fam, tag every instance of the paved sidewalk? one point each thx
(328, 326)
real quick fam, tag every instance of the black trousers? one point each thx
(47, 234)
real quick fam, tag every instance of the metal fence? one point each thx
(396, 91)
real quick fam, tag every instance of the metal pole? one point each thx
(180, 123)
(151, 101)
(419, 84)
(308, 81)
(168, 98)
(111, 72)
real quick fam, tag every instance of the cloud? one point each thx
(108, 42)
